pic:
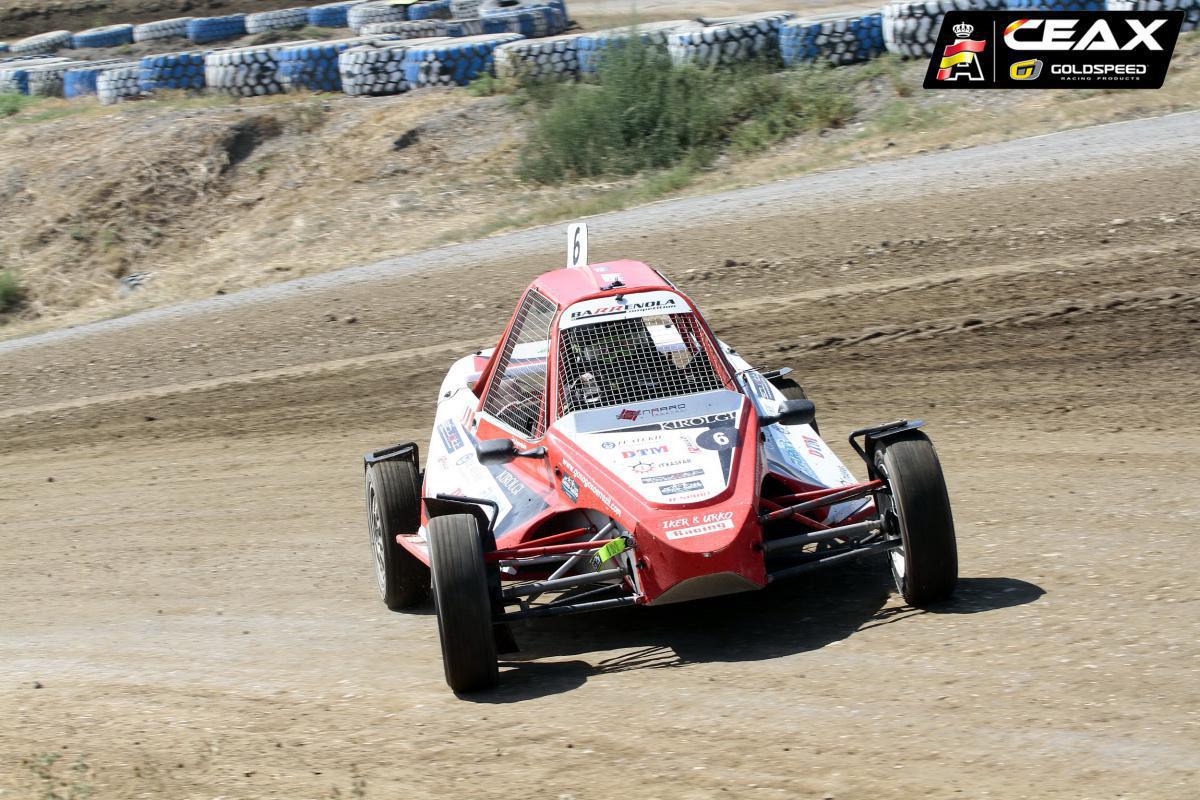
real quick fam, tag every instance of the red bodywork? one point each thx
(728, 559)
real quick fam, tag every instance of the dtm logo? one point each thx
(645, 451)
(960, 61)
(1060, 34)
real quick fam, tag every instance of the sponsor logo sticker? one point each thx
(676, 476)
(451, 438)
(570, 488)
(680, 488)
(700, 530)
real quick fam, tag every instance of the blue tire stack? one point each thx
(457, 62)
(529, 21)
(81, 81)
(1058, 5)
(435, 9)
(214, 29)
(172, 71)
(314, 65)
(837, 40)
(108, 36)
(330, 15)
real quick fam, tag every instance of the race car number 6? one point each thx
(577, 255)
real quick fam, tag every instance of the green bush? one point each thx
(13, 103)
(12, 293)
(643, 112)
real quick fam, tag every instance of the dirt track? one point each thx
(193, 589)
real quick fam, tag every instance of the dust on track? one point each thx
(193, 590)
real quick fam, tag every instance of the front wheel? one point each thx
(394, 506)
(926, 565)
(464, 608)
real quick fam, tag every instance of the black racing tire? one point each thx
(394, 506)
(926, 566)
(464, 608)
(794, 391)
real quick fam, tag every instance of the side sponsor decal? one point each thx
(680, 488)
(451, 438)
(570, 488)
(691, 473)
(581, 479)
(698, 524)
(645, 451)
(663, 305)
(814, 446)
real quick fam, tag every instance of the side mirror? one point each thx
(498, 451)
(791, 412)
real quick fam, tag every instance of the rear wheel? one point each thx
(793, 391)
(394, 506)
(464, 610)
(926, 565)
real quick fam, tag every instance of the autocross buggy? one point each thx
(611, 451)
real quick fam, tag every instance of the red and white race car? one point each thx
(612, 451)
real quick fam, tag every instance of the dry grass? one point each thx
(214, 195)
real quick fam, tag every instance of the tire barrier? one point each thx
(80, 79)
(41, 44)
(48, 80)
(245, 71)
(465, 9)
(539, 59)
(365, 14)
(14, 75)
(530, 21)
(458, 61)
(108, 36)
(314, 66)
(119, 84)
(3, 48)
(911, 29)
(591, 46)
(413, 29)
(377, 69)
(834, 40)
(733, 40)
(281, 20)
(1190, 9)
(214, 29)
(1057, 5)
(487, 8)
(330, 15)
(173, 71)
(433, 9)
(175, 28)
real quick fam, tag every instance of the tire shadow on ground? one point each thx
(782, 620)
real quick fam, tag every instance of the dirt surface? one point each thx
(189, 605)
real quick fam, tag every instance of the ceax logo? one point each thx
(1025, 70)
(960, 60)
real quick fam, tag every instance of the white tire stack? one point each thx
(590, 46)
(175, 28)
(363, 14)
(1190, 9)
(413, 29)
(281, 20)
(42, 44)
(465, 9)
(373, 70)
(453, 61)
(733, 40)
(47, 80)
(14, 73)
(119, 84)
(246, 71)
(555, 57)
(911, 29)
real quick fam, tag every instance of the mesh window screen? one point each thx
(628, 360)
(517, 396)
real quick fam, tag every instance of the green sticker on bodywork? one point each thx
(606, 553)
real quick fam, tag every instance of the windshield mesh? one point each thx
(517, 395)
(629, 360)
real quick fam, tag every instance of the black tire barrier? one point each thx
(175, 28)
(590, 47)
(214, 29)
(14, 74)
(432, 9)
(456, 62)
(411, 29)
(330, 15)
(910, 29)
(108, 36)
(119, 84)
(314, 66)
(834, 40)
(374, 70)
(245, 71)
(173, 71)
(80, 80)
(365, 14)
(42, 43)
(280, 20)
(555, 57)
(465, 9)
(1190, 9)
(733, 40)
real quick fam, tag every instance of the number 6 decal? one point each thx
(577, 255)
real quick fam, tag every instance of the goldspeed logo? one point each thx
(1025, 70)
(960, 60)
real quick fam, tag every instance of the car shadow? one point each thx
(785, 619)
